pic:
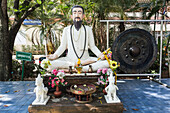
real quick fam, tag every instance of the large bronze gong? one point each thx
(135, 49)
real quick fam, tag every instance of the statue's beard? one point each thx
(77, 24)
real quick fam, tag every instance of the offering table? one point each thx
(70, 106)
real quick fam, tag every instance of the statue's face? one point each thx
(77, 14)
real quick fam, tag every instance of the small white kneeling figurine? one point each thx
(111, 96)
(41, 92)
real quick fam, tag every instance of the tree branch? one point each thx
(16, 4)
(17, 23)
(31, 10)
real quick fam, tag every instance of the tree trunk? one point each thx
(5, 55)
(7, 37)
(1, 48)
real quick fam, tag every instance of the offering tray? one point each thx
(83, 92)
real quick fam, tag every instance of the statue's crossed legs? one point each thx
(64, 63)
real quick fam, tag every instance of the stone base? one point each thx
(112, 101)
(39, 103)
(69, 105)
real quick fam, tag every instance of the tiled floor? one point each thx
(166, 81)
(139, 95)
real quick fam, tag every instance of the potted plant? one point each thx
(57, 80)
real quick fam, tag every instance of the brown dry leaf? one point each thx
(135, 109)
(29, 90)
(17, 91)
(1, 96)
(7, 91)
(124, 109)
(5, 105)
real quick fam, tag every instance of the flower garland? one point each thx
(103, 79)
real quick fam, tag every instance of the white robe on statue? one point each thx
(79, 41)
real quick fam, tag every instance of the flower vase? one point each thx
(57, 93)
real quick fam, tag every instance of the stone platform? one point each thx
(69, 106)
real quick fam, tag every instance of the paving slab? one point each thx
(137, 95)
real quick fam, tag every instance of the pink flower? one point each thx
(55, 78)
(62, 80)
(55, 72)
(99, 70)
(49, 78)
(52, 81)
(102, 82)
(52, 85)
(57, 83)
(66, 83)
(61, 71)
(98, 83)
(104, 70)
(48, 83)
(101, 77)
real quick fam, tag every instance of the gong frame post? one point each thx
(107, 34)
(160, 66)
(160, 58)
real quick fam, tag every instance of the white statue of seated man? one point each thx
(77, 38)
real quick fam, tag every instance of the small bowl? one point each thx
(78, 69)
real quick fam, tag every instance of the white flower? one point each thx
(60, 75)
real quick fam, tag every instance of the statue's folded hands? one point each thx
(52, 57)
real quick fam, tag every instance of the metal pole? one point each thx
(116, 21)
(160, 62)
(138, 74)
(23, 62)
(107, 34)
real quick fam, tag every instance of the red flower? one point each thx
(55, 72)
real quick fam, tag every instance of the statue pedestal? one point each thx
(39, 103)
(67, 104)
(117, 100)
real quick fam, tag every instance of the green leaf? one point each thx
(39, 1)
(15, 10)
(50, 3)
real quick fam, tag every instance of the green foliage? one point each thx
(152, 7)
(30, 69)
(34, 49)
(15, 67)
